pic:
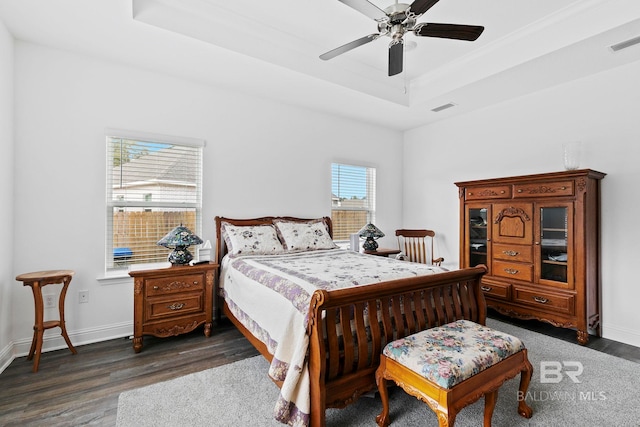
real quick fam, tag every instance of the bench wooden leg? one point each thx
(525, 378)
(489, 405)
(383, 418)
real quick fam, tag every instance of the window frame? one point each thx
(369, 192)
(146, 203)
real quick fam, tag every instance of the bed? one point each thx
(321, 315)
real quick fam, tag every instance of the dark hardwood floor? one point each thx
(83, 389)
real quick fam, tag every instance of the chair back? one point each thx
(417, 246)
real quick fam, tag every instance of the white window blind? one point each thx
(153, 185)
(353, 198)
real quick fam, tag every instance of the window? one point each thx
(154, 183)
(353, 199)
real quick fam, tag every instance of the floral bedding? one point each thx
(270, 295)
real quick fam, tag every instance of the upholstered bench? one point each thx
(451, 366)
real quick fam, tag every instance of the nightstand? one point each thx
(172, 301)
(383, 252)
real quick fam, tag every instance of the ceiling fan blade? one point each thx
(347, 47)
(418, 7)
(448, 31)
(396, 48)
(367, 8)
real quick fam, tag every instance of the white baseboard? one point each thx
(54, 341)
(6, 357)
(621, 334)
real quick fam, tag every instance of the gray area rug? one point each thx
(241, 394)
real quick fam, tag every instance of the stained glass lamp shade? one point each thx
(179, 239)
(370, 232)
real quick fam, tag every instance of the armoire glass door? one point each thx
(477, 223)
(555, 244)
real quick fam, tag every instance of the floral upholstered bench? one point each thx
(452, 366)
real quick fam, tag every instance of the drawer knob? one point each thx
(485, 288)
(195, 282)
(541, 300)
(176, 306)
(155, 288)
(511, 253)
(519, 190)
(511, 270)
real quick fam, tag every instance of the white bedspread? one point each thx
(270, 295)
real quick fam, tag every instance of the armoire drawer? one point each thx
(543, 189)
(561, 303)
(513, 270)
(488, 192)
(496, 290)
(519, 253)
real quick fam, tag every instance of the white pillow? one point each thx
(252, 239)
(307, 236)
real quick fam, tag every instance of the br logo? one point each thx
(553, 371)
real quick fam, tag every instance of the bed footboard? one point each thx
(349, 327)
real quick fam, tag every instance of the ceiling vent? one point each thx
(443, 107)
(625, 44)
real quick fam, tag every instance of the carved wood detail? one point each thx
(175, 329)
(511, 211)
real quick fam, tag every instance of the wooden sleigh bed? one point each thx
(348, 327)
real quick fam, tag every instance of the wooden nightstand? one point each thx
(383, 252)
(172, 301)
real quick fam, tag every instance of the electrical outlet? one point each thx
(83, 296)
(49, 301)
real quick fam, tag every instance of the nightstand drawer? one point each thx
(172, 285)
(185, 304)
(545, 300)
(513, 270)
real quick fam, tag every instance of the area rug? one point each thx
(571, 385)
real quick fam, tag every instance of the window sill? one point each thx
(117, 277)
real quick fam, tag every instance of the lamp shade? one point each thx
(179, 239)
(179, 236)
(370, 232)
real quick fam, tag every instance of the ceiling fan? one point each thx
(398, 19)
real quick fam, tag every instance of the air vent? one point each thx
(443, 107)
(625, 44)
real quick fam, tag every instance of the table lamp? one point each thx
(179, 239)
(370, 232)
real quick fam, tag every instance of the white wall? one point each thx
(524, 136)
(7, 279)
(262, 158)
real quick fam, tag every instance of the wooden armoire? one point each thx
(539, 236)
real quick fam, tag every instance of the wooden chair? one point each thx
(417, 246)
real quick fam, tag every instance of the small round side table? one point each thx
(37, 281)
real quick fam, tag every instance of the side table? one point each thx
(383, 252)
(172, 301)
(37, 281)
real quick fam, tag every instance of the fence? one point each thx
(140, 231)
(346, 222)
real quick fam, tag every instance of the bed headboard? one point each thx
(221, 248)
